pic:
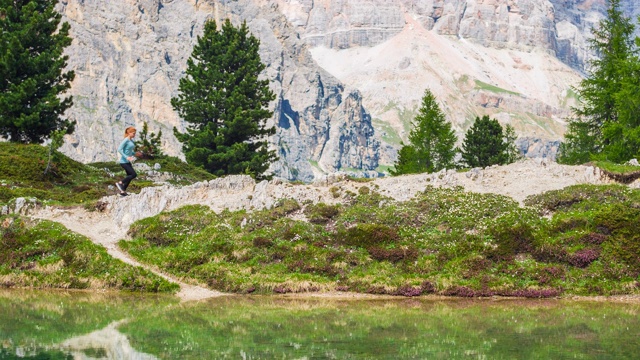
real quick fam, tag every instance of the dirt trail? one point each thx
(102, 230)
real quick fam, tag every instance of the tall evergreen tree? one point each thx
(431, 141)
(625, 133)
(32, 42)
(225, 104)
(586, 136)
(485, 144)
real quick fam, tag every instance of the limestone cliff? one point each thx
(129, 55)
(348, 74)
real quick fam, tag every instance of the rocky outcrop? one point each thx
(517, 180)
(512, 60)
(129, 55)
(538, 148)
(338, 68)
(344, 24)
(558, 26)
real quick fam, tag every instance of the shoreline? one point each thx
(333, 295)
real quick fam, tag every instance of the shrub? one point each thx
(624, 242)
(550, 253)
(475, 266)
(321, 213)
(564, 199)
(463, 291)
(393, 255)
(594, 238)
(285, 207)
(531, 293)
(408, 290)
(260, 241)
(368, 235)
(549, 274)
(582, 258)
(512, 235)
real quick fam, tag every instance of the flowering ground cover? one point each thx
(579, 240)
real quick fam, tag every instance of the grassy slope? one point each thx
(47, 255)
(69, 182)
(44, 254)
(444, 241)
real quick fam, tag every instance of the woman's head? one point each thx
(129, 131)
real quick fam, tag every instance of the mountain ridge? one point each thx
(330, 116)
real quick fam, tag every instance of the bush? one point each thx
(285, 207)
(260, 241)
(583, 258)
(31, 248)
(624, 242)
(368, 235)
(512, 235)
(564, 199)
(393, 255)
(321, 213)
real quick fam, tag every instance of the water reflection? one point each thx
(80, 326)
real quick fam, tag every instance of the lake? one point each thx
(79, 325)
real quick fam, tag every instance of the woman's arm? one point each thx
(121, 148)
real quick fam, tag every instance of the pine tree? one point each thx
(625, 133)
(431, 141)
(512, 154)
(32, 42)
(148, 144)
(484, 144)
(225, 104)
(595, 131)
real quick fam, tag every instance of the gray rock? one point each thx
(24, 206)
(128, 61)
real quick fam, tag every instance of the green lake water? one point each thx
(46, 325)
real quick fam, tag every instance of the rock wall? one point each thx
(559, 26)
(129, 56)
(346, 72)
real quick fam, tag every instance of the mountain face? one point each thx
(348, 74)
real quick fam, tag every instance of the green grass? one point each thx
(622, 173)
(44, 254)
(484, 86)
(388, 133)
(621, 169)
(571, 95)
(385, 168)
(22, 174)
(579, 240)
(444, 241)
